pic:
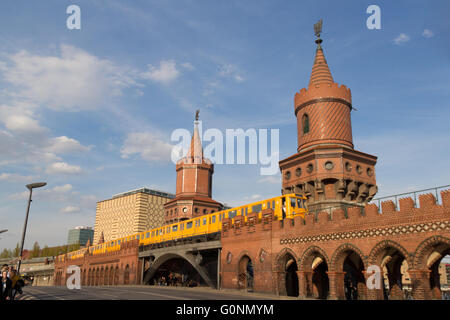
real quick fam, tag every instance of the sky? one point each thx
(91, 111)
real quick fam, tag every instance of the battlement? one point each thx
(346, 218)
(321, 91)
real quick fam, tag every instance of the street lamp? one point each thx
(30, 186)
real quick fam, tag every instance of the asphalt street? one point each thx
(137, 293)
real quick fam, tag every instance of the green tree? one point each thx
(36, 251)
(16, 251)
(5, 253)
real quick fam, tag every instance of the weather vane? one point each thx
(318, 31)
(196, 115)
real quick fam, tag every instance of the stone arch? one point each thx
(245, 271)
(287, 267)
(308, 257)
(314, 265)
(427, 258)
(126, 274)
(160, 260)
(349, 259)
(394, 261)
(374, 256)
(111, 275)
(427, 247)
(116, 275)
(338, 256)
(106, 278)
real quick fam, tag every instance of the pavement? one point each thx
(138, 292)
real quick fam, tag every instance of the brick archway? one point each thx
(313, 279)
(349, 259)
(390, 256)
(245, 272)
(286, 264)
(427, 258)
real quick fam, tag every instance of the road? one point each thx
(136, 293)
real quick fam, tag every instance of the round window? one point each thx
(369, 172)
(348, 166)
(329, 165)
(298, 172)
(287, 175)
(358, 169)
(310, 168)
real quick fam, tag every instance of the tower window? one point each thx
(305, 123)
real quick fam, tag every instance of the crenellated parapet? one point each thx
(368, 219)
(322, 92)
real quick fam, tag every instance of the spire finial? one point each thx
(318, 31)
(196, 115)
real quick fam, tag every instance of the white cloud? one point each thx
(64, 144)
(22, 123)
(427, 33)
(166, 73)
(75, 80)
(63, 167)
(276, 179)
(63, 189)
(230, 70)
(70, 209)
(402, 38)
(14, 177)
(148, 145)
(188, 66)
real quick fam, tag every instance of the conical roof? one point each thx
(320, 71)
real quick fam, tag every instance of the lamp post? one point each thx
(30, 186)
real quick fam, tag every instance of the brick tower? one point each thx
(326, 167)
(194, 184)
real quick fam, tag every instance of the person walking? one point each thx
(5, 286)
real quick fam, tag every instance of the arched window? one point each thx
(305, 123)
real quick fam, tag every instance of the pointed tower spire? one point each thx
(320, 71)
(195, 152)
(102, 238)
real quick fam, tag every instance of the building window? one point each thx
(298, 172)
(310, 168)
(305, 123)
(329, 165)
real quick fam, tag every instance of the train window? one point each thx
(293, 202)
(204, 221)
(213, 219)
(119, 241)
(257, 208)
(246, 211)
(174, 228)
(182, 226)
(268, 204)
(273, 204)
(161, 231)
(231, 214)
(220, 217)
(299, 203)
(189, 225)
(137, 237)
(147, 234)
(153, 233)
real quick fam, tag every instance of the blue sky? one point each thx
(91, 111)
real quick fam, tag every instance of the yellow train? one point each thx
(286, 206)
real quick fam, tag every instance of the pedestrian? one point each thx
(5, 286)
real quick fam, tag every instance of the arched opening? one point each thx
(106, 280)
(245, 273)
(177, 272)
(434, 255)
(305, 123)
(126, 275)
(111, 275)
(354, 281)
(320, 281)
(116, 276)
(396, 280)
(288, 267)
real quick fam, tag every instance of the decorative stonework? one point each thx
(373, 232)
